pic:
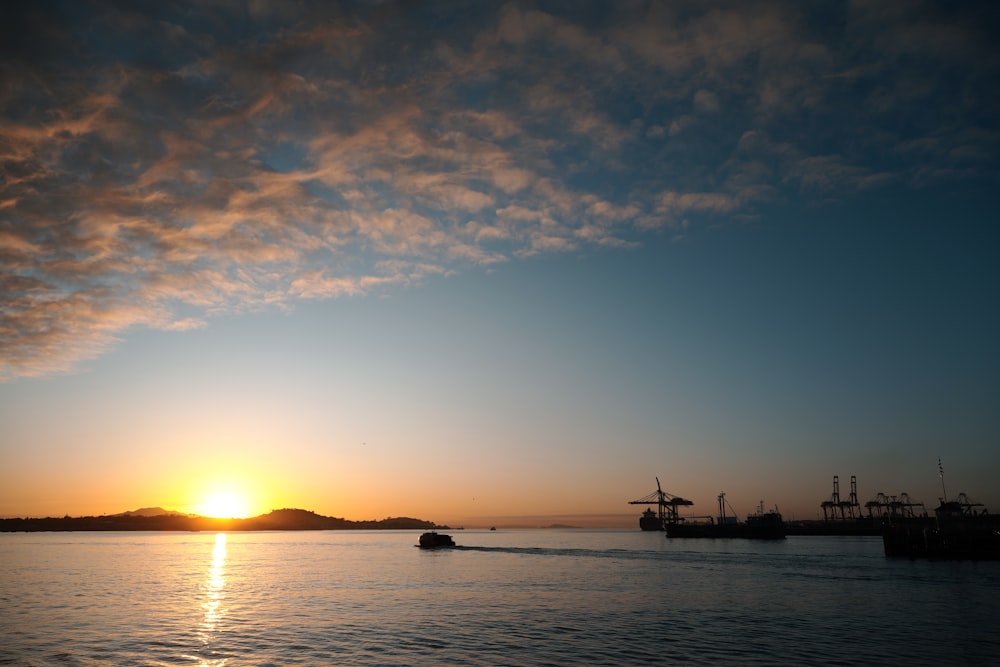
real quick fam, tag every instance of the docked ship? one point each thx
(650, 520)
(959, 530)
(760, 525)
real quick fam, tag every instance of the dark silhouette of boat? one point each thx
(760, 525)
(959, 530)
(433, 540)
(650, 521)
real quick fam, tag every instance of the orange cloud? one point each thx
(324, 155)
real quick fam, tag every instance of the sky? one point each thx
(460, 260)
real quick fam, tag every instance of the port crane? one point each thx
(666, 504)
(836, 509)
(894, 507)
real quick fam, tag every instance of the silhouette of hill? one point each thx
(295, 519)
(146, 519)
(150, 511)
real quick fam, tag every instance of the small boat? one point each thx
(434, 540)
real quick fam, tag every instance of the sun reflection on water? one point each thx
(214, 594)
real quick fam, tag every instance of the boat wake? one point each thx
(576, 553)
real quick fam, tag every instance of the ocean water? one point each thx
(525, 597)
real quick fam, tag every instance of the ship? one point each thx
(760, 525)
(650, 520)
(959, 530)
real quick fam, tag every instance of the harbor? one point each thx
(958, 529)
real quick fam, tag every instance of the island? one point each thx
(150, 519)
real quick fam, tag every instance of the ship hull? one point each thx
(767, 530)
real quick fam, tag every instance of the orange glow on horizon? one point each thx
(228, 496)
(224, 504)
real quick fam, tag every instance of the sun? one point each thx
(233, 494)
(226, 504)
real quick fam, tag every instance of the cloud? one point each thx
(826, 173)
(165, 164)
(706, 101)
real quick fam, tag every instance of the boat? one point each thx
(959, 530)
(759, 525)
(650, 521)
(433, 540)
(763, 525)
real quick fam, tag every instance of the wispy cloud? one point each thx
(230, 157)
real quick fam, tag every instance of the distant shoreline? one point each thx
(283, 519)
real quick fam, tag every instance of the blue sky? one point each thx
(323, 254)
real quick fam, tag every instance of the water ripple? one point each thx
(515, 598)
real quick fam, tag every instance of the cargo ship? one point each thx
(759, 525)
(650, 520)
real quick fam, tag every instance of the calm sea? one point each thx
(527, 597)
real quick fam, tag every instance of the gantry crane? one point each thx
(666, 504)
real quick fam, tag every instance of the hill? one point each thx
(149, 511)
(147, 519)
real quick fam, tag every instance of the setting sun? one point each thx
(224, 490)
(224, 504)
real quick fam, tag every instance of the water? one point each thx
(530, 597)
